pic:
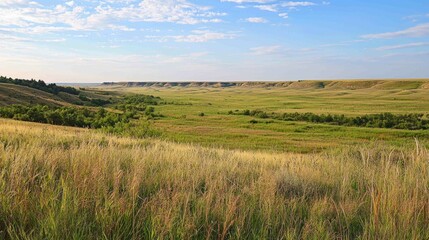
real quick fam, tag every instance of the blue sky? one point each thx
(213, 40)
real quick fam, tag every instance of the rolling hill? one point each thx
(13, 93)
(16, 94)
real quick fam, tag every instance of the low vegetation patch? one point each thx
(412, 121)
(132, 120)
(66, 116)
(136, 103)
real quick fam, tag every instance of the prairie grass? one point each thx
(67, 183)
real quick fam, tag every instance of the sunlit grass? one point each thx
(67, 183)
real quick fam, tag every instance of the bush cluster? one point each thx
(132, 121)
(412, 121)
(139, 103)
(66, 116)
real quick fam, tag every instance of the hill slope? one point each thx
(16, 94)
(24, 95)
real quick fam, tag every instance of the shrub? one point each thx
(414, 121)
(253, 121)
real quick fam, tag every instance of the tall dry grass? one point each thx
(65, 183)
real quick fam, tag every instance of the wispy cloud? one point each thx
(196, 36)
(275, 7)
(416, 31)
(270, 7)
(256, 20)
(297, 4)
(402, 46)
(284, 15)
(266, 50)
(4, 3)
(199, 36)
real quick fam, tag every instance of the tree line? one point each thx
(411, 121)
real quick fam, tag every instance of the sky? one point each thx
(213, 40)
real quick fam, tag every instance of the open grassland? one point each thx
(182, 122)
(69, 183)
(209, 114)
(336, 101)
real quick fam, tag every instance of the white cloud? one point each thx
(199, 36)
(256, 20)
(270, 8)
(34, 30)
(13, 2)
(416, 31)
(284, 15)
(196, 36)
(70, 3)
(21, 17)
(401, 46)
(275, 7)
(266, 50)
(10, 39)
(297, 4)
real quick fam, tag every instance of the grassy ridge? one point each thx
(83, 185)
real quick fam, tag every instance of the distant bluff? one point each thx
(302, 84)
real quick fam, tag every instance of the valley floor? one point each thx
(217, 128)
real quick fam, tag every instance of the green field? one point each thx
(132, 162)
(182, 122)
(206, 113)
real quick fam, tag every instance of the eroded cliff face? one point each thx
(307, 84)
